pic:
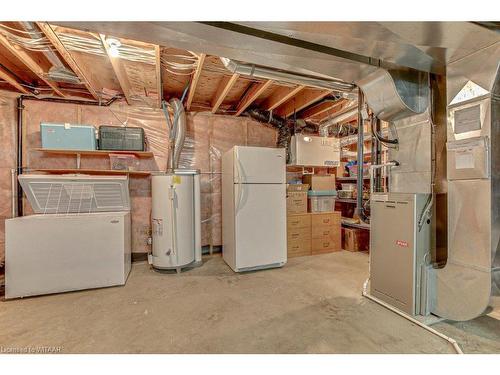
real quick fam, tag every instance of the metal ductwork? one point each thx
(470, 281)
(394, 94)
(347, 113)
(177, 132)
(58, 72)
(281, 76)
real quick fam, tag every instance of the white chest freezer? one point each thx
(79, 238)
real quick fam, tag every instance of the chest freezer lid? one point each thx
(60, 194)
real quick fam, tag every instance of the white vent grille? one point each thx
(76, 194)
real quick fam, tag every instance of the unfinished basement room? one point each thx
(249, 187)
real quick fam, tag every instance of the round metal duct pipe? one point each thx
(277, 75)
(393, 94)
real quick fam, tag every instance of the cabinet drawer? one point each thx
(325, 220)
(321, 245)
(299, 234)
(332, 232)
(298, 221)
(298, 248)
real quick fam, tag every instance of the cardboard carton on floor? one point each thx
(319, 182)
(354, 239)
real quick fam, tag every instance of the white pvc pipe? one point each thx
(453, 342)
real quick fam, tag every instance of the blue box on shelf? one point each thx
(68, 136)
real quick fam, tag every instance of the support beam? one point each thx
(120, 73)
(281, 95)
(255, 91)
(301, 101)
(27, 60)
(6, 76)
(224, 87)
(159, 85)
(194, 80)
(84, 77)
(324, 108)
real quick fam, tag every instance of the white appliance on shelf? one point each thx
(78, 238)
(254, 208)
(176, 220)
(314, 151)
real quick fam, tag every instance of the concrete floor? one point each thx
(312, 305)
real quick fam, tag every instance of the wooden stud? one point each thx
(120, 73)
(281, 95)
(224, 87)
(323, 107)
(255, 91)
(194, 81)
(158, 74)
(6, 76)
(302, 100)
(27, 60)
(84, 77)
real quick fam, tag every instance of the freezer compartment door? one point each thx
(259, 165)
(260, 227)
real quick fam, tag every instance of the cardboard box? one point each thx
(296, 202)
(319, 182)
(354, 239)
(341, 171)
(297, 187)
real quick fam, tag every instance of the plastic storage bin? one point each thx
(68, 136)
(121, 138)
(321, 200)
(123, 162)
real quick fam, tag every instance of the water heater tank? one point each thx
(176, 223)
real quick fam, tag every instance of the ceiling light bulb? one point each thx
(113, 51)
(113, 46)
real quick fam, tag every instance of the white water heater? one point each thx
(176, 220)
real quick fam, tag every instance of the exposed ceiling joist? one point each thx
(119, 71)
(85, 77)
(301, 101)
(281, 95)
(326, 108)
(159, 85)
(225, 85)
(255, 91)
(194, 81)
(27, 60)
(6, 76)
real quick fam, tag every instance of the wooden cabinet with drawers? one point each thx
(298, 235)
(325, 232)
(313, 233)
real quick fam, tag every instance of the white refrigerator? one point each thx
(254, 208)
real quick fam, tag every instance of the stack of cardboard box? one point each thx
(311, 233)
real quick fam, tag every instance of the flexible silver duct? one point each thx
(276, 75)
(177, 133)
(350, 111)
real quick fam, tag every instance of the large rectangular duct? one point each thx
(470, 280)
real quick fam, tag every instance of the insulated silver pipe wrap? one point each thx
(179, 130)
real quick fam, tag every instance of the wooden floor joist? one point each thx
(225, 85)
(27, 60)
(301, 101)
(281, 95)
(324, 108)
(7, 77)
(118, 69)
(255, 91)
(194, 81)
(84, 77)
